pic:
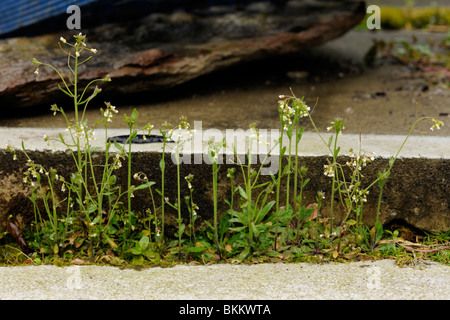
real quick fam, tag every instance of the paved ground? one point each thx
(361, 280)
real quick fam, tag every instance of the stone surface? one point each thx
(364, 280)
(164, 50)
(417, 192)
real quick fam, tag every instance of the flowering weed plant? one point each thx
(84, 214)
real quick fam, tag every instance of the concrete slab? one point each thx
(385, 146)
(417, 192)
(369, 280)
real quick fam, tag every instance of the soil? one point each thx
(383, 99)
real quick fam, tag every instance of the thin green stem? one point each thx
(297, 140)
(163, 200)
(179, 201)
(280, 160)
(214, 174)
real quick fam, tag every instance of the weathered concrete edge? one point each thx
(417, 192)
(385, 146)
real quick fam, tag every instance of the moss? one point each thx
(411, 18)
(392, 18)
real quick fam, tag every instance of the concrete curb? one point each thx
(417, 192)
(369, 280)
(384, 146)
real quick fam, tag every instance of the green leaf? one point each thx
(336, 152)
(61, 138)
(132, 136)
(283, 150)
(145, 185)
(305, 182)
(97, 219)
(391, 161)
(93, 149)
(134, 115)
(242, 192)
(152, 255)
(243, 254)
(118, 146)
(65, 91)
(143, 243)
(264, 211)
(299, 134)
(261, 185)
(254, 229)
(196, 249)
(244, 205)
(112, 179)
(110, 241)
(330, 141)
(224, 224)
(137, 261)
(137, 250)
(237, 229)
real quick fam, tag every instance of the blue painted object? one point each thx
(32, 17)
(16, 14)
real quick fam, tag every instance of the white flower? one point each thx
(329, 170)
(77, 54)
(37, 71)
(437, 124)
(94, 50)
(62, 40)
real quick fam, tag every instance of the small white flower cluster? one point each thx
(108, 114)
(296, 110)
(117, 163)
(55, 109)
(140, 176)
(9, 148)
(360, 160)
(254, 133)
(357, 195)
(214, 149)
(78, 46)
(437, 124)
(188, 179)
(148, 128)
(184, 134)
(34, 171)
(81, 131)
(320, 195)
(329, 170)
(338, 125)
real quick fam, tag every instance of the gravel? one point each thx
(366, 280)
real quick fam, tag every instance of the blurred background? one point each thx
(225, 62)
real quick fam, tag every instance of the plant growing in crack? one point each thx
(351, 194)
